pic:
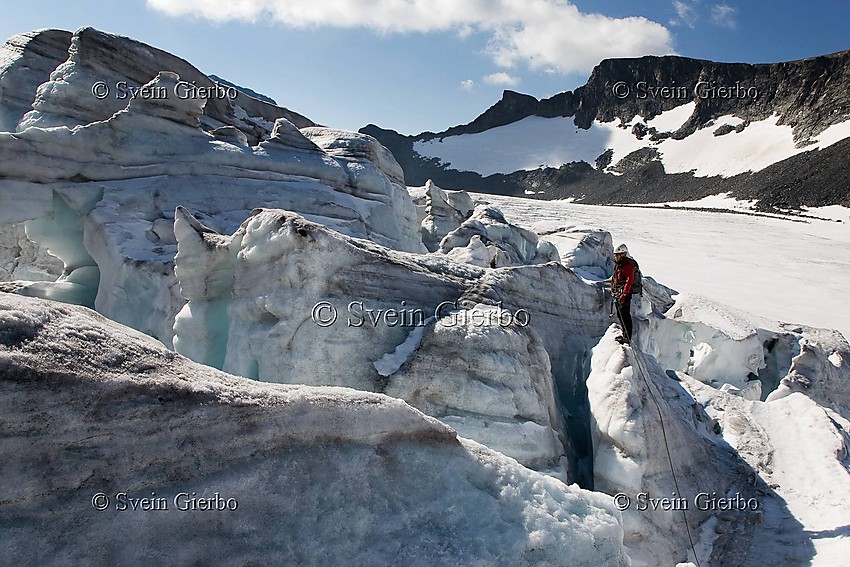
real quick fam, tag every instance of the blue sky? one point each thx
(415, 65)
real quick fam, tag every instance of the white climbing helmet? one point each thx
(621, 249)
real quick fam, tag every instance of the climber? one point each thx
(623, 286)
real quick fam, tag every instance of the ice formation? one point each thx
(26, 61)
(440, 212)
(286, 299)
(486, 239)
(631, 437)
(318, 475)
(480, 371)
(744, 488)
(107, 182)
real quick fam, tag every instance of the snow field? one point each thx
(537, 142)
(773, 268)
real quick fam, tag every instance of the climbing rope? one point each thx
(663, 433)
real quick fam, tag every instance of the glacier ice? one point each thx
(799, 449)
(818, 370)
(486, 239)
(709, 341)
(66, 96)
(441, 212)
(318, 475)
(231, 230)
(722, 445)
(727, 454)
(489, 381)
(27, 60)
(157, 149)
(23, 259)
(255, 308)
(589, 250)
(389, 364)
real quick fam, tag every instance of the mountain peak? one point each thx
(757, 127)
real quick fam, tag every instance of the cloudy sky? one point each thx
(415, 65)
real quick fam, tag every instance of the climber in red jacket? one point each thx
(621, 287)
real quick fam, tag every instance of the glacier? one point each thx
(93, 174)
(224, 297)
(318, 475)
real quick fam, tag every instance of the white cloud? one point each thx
(500, 79)
(465, 31)
(539, 33)
(724, 15)
(467, 84)
(686, 14)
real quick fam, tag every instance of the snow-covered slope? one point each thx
(294, 474)
(785, 269)
(757, 482)
(536, 142)
(529, 143)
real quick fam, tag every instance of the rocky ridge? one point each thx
(809, 95)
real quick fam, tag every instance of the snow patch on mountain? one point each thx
(722, 201)
(527, 144)
(726, 147)
(837, 213)
(669, 121)
(758, 145)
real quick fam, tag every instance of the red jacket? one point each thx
(624, 277)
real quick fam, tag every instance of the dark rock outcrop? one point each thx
(806, 94)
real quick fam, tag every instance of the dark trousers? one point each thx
(624, 312)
